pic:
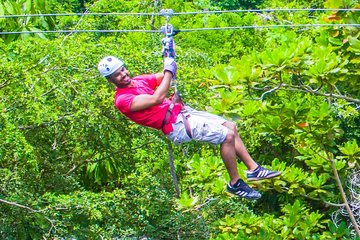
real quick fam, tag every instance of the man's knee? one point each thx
(230, 136)
(230, 125)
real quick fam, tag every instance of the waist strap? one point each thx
(186, 124)
(167, 114)
(175, 99)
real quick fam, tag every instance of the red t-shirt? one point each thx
(151, 117)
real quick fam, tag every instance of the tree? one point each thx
(25, 24)
(71, 166)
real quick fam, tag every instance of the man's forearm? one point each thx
(163, 88)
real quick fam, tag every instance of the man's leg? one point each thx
(255, 171)
(228, 155)
(240, 148)
(236, 185)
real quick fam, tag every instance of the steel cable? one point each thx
(182, 13)
(183, 30)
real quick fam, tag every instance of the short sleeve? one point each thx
(149, 80)
(123, 102)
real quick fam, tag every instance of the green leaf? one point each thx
(2, 12)
(28, 6)
(280, 183)
(250, 108)
(340, 164)
(226, 74)
(350, 148)
(186, 202)
(354, 44)
(316, 181)
(335, 41)
(333, 4)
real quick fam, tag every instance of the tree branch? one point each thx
(19, 205)
(310, 90)
(44, 123)
(343, 195)
(172, 168)
(4, 84)
(14, 204)
(267, 92)
(318, 199)
(305, 88)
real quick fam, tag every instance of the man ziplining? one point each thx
(143, 99)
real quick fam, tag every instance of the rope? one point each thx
(184, 30)
(183, 13)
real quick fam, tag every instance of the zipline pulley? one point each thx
(168, 31)
(169, 49)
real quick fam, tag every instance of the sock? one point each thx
(256, 169)
(236, 184)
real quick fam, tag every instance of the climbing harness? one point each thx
(169, 51)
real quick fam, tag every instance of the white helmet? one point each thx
(109, 65)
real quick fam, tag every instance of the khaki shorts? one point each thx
(205, 127)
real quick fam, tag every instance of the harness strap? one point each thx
(186, 124)
(177, 99)
(168, 112)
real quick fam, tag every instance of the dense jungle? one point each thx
(73, 167)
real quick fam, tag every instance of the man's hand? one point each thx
(168, 47)
(170, 65)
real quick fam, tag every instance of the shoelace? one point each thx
(241, 184)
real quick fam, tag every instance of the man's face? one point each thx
(120, 77)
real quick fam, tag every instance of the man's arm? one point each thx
(159, 77)
(145, 101)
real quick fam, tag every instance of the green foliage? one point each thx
(236, 4)
(296, 222)
(207, 174)
(32, 24)
(351, 150)
(84, 171)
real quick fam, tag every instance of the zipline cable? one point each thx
(184, 30)
(270, 26)
(184, 13)
(81, 31)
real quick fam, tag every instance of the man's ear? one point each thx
(110, 80)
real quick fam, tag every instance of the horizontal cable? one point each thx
(183, 30)
(82, 31)
(270, 26)
(181, 13)
(273, 10)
